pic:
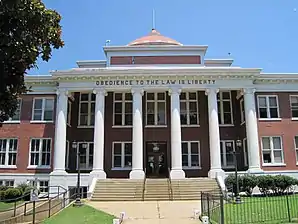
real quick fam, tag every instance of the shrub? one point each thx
(2, 195)
(23, 187)
(12, 193)
(249, 182)
(282, 183)
(3, 188)
(265, 184)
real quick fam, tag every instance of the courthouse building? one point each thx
(152, 103)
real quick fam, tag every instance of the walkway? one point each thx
(155, 212)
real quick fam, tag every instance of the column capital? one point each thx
(137, 91)
(61, 91)
(211, 90)
(174, 91)
(100, 91)
(248, 91)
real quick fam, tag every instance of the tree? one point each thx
(28, 31)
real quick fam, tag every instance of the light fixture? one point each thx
(239, 143)
(84, 145)
(155, 147)
(74, 145)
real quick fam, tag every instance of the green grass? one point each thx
(80, 215)
(5, 206)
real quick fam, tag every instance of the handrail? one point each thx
(144, 184)
(170, 183)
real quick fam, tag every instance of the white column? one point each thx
(98, 156)
(60, 132)
(176, 149)
(137, 136)
(214, 137)
(252, 131)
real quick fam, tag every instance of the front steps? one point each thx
(157, 190)
(191, 188)
(118, 190)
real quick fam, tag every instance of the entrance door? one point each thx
(156, 160)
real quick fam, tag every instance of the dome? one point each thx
(154, 38)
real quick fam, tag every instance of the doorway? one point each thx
(156, 160)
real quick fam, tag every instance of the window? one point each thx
(245, 152)
(189, 108)
(7, 183)
(87, 109)
(44, 186)
(155, 108)
(294, 106)
(122, 109)
(8, 152)
(69, 113)
(122, 154)
(17, 115)
(242, 111)
(67, 155)
(227, 153)
(40, 152)
(272, 150)
(224, 105)
(43, 109)
(191, 154)
(86, 150)
(296, 148)
(268, 107)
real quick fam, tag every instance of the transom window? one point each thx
(87, 109)
(294, 106)
(268, 107)
(122, 109)
(40, 152)
(296, 148)
(224, 105)
(242, 111)
(43, 109)
(8, 152)
(86, 150)
(155, 108)
(227, 153)
(272, 150)
(189, 114)
(191, 154)
(122, 155)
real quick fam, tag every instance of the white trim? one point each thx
(88, 154)
(123, 102)
(67, 155)
(155, 111)
(89, 113)
(268, 106)
(245, 152)
(221, 108)
(223, 153)
(187, 102)
(271, 150)
(42, 110)
(7, 152)
(68, 121)
(189, 154)
(290, 96)
(39, 166)
(242, 112)
(123, 167)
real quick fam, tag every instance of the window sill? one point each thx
(294, 118)
(122, 126)
(228, 167)
(11, 122)
(8, 166)
(269, 119)
(226, 125)
(190, 125)
(156, 126)
(191, 168)
(273, 164)
(82, 126)
(41, 122)
(38, 167)
(121, 169)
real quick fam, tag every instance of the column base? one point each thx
(137, 174)
(213, 173)
(99, 174)
(57, 178)
(255, 170)
(177, 174)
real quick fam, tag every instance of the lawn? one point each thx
(80, 215)
(270, 210)
(5, 206)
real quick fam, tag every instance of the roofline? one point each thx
(219, 61)
(91, 62)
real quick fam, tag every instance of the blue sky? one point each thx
(257, 33)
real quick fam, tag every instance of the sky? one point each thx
(256, 33)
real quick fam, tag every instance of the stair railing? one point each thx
(170, 185)
(144, 184)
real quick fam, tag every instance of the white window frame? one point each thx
(242, 111)
(39, 166)
(268, 107)
(224, 152)
(123, 167)
(245, 152)
(42, 110)
(187, 101)
(7, 153)
(87, 167)
(296, 149)
(69, 113)
(189, 154)
(221, 108)
(90, 101)
(123, 101)
(18, 111)
(156, 101)
(7, 182)
(296, 108)
(271, 150)
(67, 155)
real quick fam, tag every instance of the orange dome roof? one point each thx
(154, 38)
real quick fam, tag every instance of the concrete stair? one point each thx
(118, 190)
(157, 190)
(191, 188)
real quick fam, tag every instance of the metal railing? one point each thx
(144, 185)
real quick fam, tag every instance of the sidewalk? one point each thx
(155, 212)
